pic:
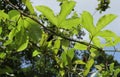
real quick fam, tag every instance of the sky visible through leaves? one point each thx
(90, 5)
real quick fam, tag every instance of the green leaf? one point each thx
(21, 40)
(3, 15)
(0, 30)
(96, 41)
(29, 6)
(87, 22)
(88, 66)
(56, 46)
(34, 31)
(106, 33)
(116, 72)
(66, 8)
(48, 13)
(78, 62)
(104, 21)
(2, 55)
(70, 23)
(98, 67)
(64, 59)
(111, 67)
(70, 54)
(35, 53)
(79, 46)
(13, 13)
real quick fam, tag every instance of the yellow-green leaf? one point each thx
(104, 21)
(66, 8)
(46, 11)
(79, 46)
(87, 22)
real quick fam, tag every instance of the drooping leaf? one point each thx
(104, 21)
(79, 46)
(29, 6)
(70, 23)
(87, 22)
(66, 8)
(48, 13)
(56, 46)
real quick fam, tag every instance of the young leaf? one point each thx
(64, 59)
(70, 23)
(111, 67)
(104, 21)
(2, 55)
(87, 22)
(116, 72)
(3, 15)
(29, 6)
(48, 13)
(66, 8)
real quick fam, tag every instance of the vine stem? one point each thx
(49, 30)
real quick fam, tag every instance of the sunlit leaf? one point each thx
(70, 23)
(87, 22)
(78, 62)
(64, 58)
(111, 67)
(48, 13)
(0, 30)
(66, 8)
(2, 55)
(88, 66)
(56, 46)
(70, 54)
(104, 21)
(116, 72)
(106, 33)
(35, 53)
(98, 67)
(3, 15)
(79, 46)
(29, 6)
(13, 13)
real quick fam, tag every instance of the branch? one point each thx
(49, 30)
